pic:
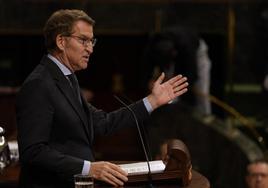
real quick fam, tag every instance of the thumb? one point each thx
(160, 78)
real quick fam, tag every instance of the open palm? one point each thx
(163, 93)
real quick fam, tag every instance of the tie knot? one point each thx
(75, 86)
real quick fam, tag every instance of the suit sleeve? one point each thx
(35, 120)
(107, 123)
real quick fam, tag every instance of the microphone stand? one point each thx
(150, 185)
(144, 130)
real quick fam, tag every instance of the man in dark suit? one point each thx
(56, 126)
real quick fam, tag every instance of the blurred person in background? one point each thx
(178, 49)
(257, 174)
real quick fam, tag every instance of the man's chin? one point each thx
(84, 65)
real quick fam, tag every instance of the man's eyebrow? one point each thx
(82, 35)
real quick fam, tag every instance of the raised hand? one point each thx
(162, 93)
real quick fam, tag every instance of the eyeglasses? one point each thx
(255, 175)
(84, 40)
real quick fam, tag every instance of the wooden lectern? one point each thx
(178, 171)
(178, 166)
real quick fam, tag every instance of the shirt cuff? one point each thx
(147, 105)
(86, 168)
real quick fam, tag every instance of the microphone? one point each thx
(141, 139)
(145, 132)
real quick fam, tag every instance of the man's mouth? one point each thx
(86, 57)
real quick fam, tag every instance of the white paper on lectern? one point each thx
(142, 167)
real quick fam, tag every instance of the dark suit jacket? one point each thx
(55, 132)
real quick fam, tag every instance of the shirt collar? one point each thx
(62, 67)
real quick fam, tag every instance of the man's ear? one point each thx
(60, 42)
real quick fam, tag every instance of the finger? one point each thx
(180, 87)
(119, 172)
(117, 168)
(179, 82)
(120, 176)
(160, 78)
(179, 93)
(175, 79)
(110, 176)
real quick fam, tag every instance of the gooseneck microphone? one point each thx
(141, 139)
(142, 128)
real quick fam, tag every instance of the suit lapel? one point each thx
(90, 121)
(65, 87)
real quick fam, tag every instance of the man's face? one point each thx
(257, 175)
(78, 47)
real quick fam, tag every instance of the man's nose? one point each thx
(89, 48)
(259, 178)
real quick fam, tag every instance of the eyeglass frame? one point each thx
(255, 175)
(84, 40)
